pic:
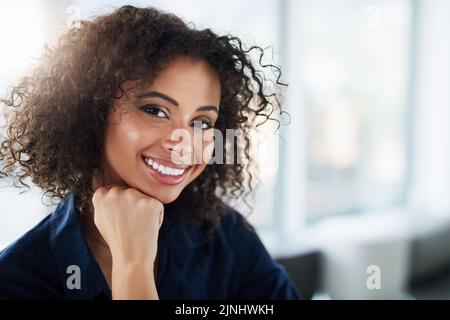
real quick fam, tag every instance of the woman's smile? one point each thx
(165, 171)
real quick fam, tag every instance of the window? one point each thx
(349, 65)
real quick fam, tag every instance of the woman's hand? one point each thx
(129, 221)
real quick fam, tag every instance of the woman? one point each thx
(141, 214)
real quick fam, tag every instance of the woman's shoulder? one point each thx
(234, 224)
(35, 241)
(27, 246)
(28, 268)
(235, 229)
(26, 263)
(261, 277)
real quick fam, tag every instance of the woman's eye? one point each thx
(202, 124)
(154, 111)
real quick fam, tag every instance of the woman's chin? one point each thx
(164, 198)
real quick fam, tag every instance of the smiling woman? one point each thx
(93, 125)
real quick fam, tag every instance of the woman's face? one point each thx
(140, 148)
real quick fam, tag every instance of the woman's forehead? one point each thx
(183, 81)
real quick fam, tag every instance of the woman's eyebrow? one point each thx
(156, 94)
(208, 108)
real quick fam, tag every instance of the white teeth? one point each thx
(163, 169)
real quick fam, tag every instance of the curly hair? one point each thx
(57, 114)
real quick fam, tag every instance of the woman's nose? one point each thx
(179, 142)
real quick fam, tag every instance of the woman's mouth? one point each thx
(163, 173)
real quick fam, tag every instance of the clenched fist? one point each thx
(129, 221)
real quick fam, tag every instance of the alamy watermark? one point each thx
(212, 146)
(74, 279)
(373, 281)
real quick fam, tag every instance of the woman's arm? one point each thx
(129, 221)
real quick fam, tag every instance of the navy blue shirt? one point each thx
(233, 264)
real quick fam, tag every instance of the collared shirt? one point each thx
(53, 261)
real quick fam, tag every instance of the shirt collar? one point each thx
(176, 240)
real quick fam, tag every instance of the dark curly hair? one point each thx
(56, 116)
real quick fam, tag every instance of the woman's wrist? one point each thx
(123, 257)
(132, 261)
(133, 280)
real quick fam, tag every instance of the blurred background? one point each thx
(354, 197)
